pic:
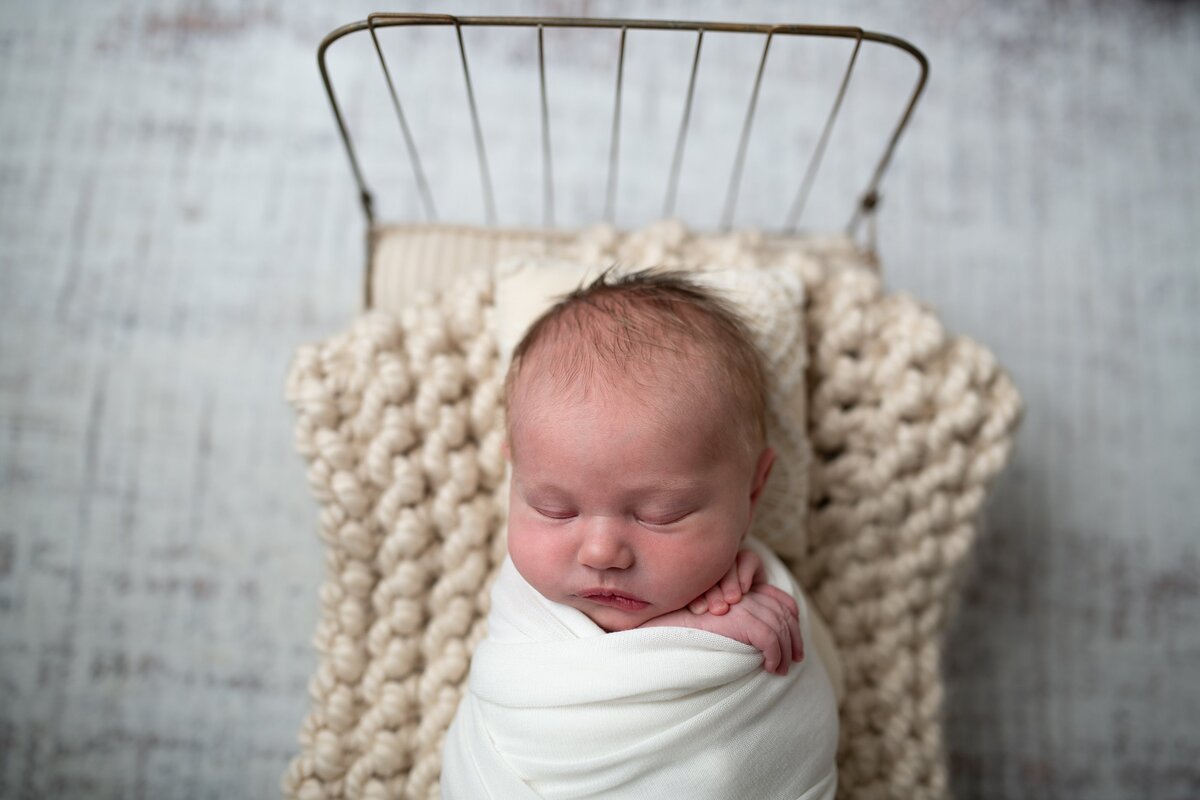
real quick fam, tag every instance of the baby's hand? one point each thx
(766, 618)
(746, 571)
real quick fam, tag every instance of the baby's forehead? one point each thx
(570, 366)
(682, 407)
(627, 336)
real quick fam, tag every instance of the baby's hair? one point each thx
(642, 323)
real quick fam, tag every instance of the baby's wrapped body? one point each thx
(557, 708)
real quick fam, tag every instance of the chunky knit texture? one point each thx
(400, 420)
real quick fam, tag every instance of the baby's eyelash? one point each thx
(667, 519)
(554, 513)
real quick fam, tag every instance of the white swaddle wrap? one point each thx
(557, 708)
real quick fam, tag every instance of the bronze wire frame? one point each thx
(868, 201)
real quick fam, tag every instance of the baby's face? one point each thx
(621, 512)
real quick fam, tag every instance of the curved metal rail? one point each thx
(868, 198)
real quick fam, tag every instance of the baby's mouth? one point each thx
(614, 599)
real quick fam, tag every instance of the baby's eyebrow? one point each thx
(544, 488)
(671, 493)
(676, 486)
(546, 491)
(670, 488)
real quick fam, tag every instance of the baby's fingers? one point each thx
(797, 641)
(711, 602)
(717, 604)
(780, 610)
(787, 632)
(730, 588)
(769, 632)
(781, 597)
(769, 643)
(749, 566)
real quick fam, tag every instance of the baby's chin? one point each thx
(615, 628)
(613, 620)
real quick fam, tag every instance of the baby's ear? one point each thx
(762, 471)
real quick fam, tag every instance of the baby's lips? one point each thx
(613, 598)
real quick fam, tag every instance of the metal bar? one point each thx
(485, 174)
(414, 159)
(364, 194)
(610, 194)
(640, 24)
(814, 162)
(547, 163)
(735, 177)
(368, 293)
(869, 197)
(677, 159)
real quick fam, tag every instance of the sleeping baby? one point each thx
(639, 644)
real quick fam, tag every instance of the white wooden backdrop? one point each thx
(176, 216)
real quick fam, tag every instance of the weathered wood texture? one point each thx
(176, 215)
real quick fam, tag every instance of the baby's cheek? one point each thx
(535, 556)
(520, 546)
(691, 569)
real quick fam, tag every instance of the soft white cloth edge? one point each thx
(527, 700)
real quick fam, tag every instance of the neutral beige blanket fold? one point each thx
(557, 708)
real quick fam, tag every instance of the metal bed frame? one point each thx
(868, 199)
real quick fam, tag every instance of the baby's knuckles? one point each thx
(767, 619)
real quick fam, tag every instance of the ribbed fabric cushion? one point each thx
(419, 259)
(410, 259)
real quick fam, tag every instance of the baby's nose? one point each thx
(604, 546)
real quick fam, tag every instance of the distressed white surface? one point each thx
(176, 215)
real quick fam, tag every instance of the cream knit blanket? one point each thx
(400, 421)
(556, 708)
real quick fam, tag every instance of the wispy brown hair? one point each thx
(639, 326)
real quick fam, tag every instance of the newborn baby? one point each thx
(639, 645)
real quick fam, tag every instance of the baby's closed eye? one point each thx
(556, 513)
(660, 519)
